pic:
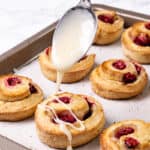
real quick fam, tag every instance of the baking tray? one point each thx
(22, 59)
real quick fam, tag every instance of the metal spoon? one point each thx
(84, 5)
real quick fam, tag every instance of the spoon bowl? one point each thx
(73, 35)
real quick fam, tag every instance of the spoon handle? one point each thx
(85, 3)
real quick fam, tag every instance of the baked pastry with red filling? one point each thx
(110, 27)
(136, 42)
(126, 135)
(118, 79)
(69, 120)
(77, 72)
(19, 97)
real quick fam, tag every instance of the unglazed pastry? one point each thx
(126, 135)
(19, 97)
(136, 42)
(118, 79)
(68, 120)
(75, 73)
(110, 27)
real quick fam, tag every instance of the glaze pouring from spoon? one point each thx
(72, 38)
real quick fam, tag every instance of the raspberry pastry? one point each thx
(110, 27)
(136, 42)
(118, 79)
(76, 73)
(126, 135)
(19, 97)
(66, 120)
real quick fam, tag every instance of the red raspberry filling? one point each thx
(66, 116)
(106, 18)
(55, 101)
(88, 101)
(142, 40)
(147, 25)
(123, 131)
(90, 104)
(131, 142)
(138, 68)
(32, 89)
(119, 64)
(12, 81)
(64, 99)
(129, 77)
(47, 51)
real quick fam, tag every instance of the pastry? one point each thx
(136, 42)
(67, 119)
(110, 27)
(75, 73)
(126, 135)
(118, 79)
(19, 97)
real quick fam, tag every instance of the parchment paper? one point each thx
(24, 132)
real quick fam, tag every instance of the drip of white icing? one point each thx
(71, 40)
(68, 134)
(82, 127)
(63, 124)
(60, 75)
(69, 147)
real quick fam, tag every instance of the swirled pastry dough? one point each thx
(19, 97)
(136, 42)
(126, 135)
(118, 79)
(110, 27)
(67, 119)
(77, 72)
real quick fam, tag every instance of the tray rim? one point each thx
(124, 11)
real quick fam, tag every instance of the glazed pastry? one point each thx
(126, 135)
(136, 42)
(66, 120)
(19, 97)
(118, 79)
(110, 27)
(75, 73)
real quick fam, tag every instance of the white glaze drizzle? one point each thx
(63, 124)
(66, 131)
(60, 75)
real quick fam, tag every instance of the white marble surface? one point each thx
(20, 19)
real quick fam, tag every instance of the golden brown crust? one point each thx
(141, 133)
(107, 81)
(108, 33)
(50, 132)
(74, 74)
(20, 91)
(132, 50)
(15, 110)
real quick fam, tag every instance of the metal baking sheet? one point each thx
(22, 59)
